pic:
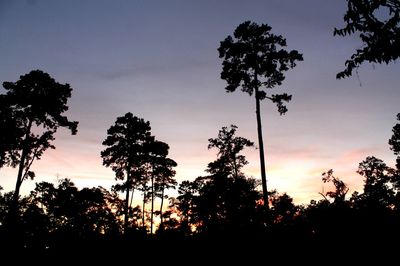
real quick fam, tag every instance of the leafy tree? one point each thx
(229, 146)
(255, 60)
(186, 204)
(169, 224)
(378, 190)
(66, 212)
(3, 207)
(164, 180)
(394, 142)
(225, 205)
(225, 201)
(11, 132)
(341, 188)
(33, 111)
(126, 152)
(378, 25)
(161, 169)
(283, 209)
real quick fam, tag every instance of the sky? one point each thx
(159, 61)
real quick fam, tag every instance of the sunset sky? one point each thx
(159, 60)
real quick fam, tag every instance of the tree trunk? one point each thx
(14, 208)
(143, 207)
(161, 207)
(131, 201)
(126, 208)
(19, 177)
(261, 148)
(235, 169)
(152, 204)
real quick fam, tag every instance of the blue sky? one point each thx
(159, 60)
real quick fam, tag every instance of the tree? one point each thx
(11, 131)
(394, 142)
(224, 202)
(161, 172)
(378, 25)
(126, 152)
(186, 204)
(254, 59)
(229, 146)
(164, 180)
(283, 209)
(35, 105)
(378, 190)
(71, 214)
(341, 188)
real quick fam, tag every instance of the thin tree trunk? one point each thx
(130, 203)
(261, 148)
(235, 169)
(152, 204)
(126, 208)
(15, 201)
(143, 206)
(161, 207)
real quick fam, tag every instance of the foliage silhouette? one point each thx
(222, 208)
(126, 153)
(378, 25)
(225, 201)
(394, 142)
(32, 109)
(11, 131)
(341, 188)
(136, 156)
(161, 174)
(164, 180)
(378, 188)
(254, 59)
(229, 146)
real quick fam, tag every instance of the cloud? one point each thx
(147, 69)
(354, 156)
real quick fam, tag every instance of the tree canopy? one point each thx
(255, 60)
(30, 114)
(377, 23)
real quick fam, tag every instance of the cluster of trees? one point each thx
(138, 158)
(223, 204)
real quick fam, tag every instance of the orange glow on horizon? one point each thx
(299, 176)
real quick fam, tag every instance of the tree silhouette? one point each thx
(341, 188)
(160, 171)
(229, 146)
(283, 209)
(394, 142)
(254, 59)
(164, 180)
(378, 25)
(35, 104)
(126, 152)
(11, 132)
(378, 190)
(55, 216)
(186, 204)
(224, 202)
(146, 191)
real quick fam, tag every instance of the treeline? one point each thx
(223, 205)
